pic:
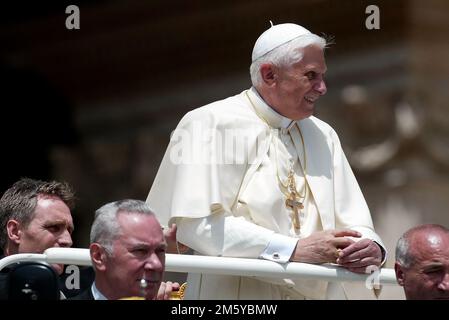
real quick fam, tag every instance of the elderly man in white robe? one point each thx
(256, 175)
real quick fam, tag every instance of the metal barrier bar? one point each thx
(222, 266)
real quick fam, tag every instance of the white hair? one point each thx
(285, 55)
(105, 228)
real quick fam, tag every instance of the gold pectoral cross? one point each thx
(295, 205)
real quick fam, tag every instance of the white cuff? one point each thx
(279, 249)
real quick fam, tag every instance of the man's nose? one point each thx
(320, 87)
(154, 263)
(65, 240)
(444, 284)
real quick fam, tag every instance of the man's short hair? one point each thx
(20, 200)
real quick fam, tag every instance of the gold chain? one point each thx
(291, 182)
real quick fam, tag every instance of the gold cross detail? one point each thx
(295, 205)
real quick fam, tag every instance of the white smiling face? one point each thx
(298, 87)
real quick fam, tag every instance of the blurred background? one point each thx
(95, 106)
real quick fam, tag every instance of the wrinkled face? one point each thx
(52, 226)
(428, 277)
(299, 86)
(138, 253)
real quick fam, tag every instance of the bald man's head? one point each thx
(422, 262)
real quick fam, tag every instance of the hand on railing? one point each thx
(360, 255)
(322, 247)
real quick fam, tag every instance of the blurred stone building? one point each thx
(127, 76)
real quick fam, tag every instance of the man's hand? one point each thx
(359, 255)
(322, 247)
(170, 237)
(166, 289)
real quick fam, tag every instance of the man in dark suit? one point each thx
(3, 278)
(85, 295)
(128, 254)
(34, 216)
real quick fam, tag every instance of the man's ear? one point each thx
(14, 231)
(268, 74)
(399, 274)
(98, 256)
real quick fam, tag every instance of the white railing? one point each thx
(220, 265)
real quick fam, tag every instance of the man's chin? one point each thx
(310, 107)
(306, 110)
(151, 291)
(59, 268)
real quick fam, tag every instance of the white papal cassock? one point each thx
(221, 181)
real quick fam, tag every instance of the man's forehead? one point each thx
(313, 66)
(52, 208)
(310, 67)
(312, 62)
(54, 219)
(135, 219)
(429, 245)
(150, 241)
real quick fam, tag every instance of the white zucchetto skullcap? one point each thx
(276, 36)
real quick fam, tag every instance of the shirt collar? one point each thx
(267, 113)
(96, 293)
